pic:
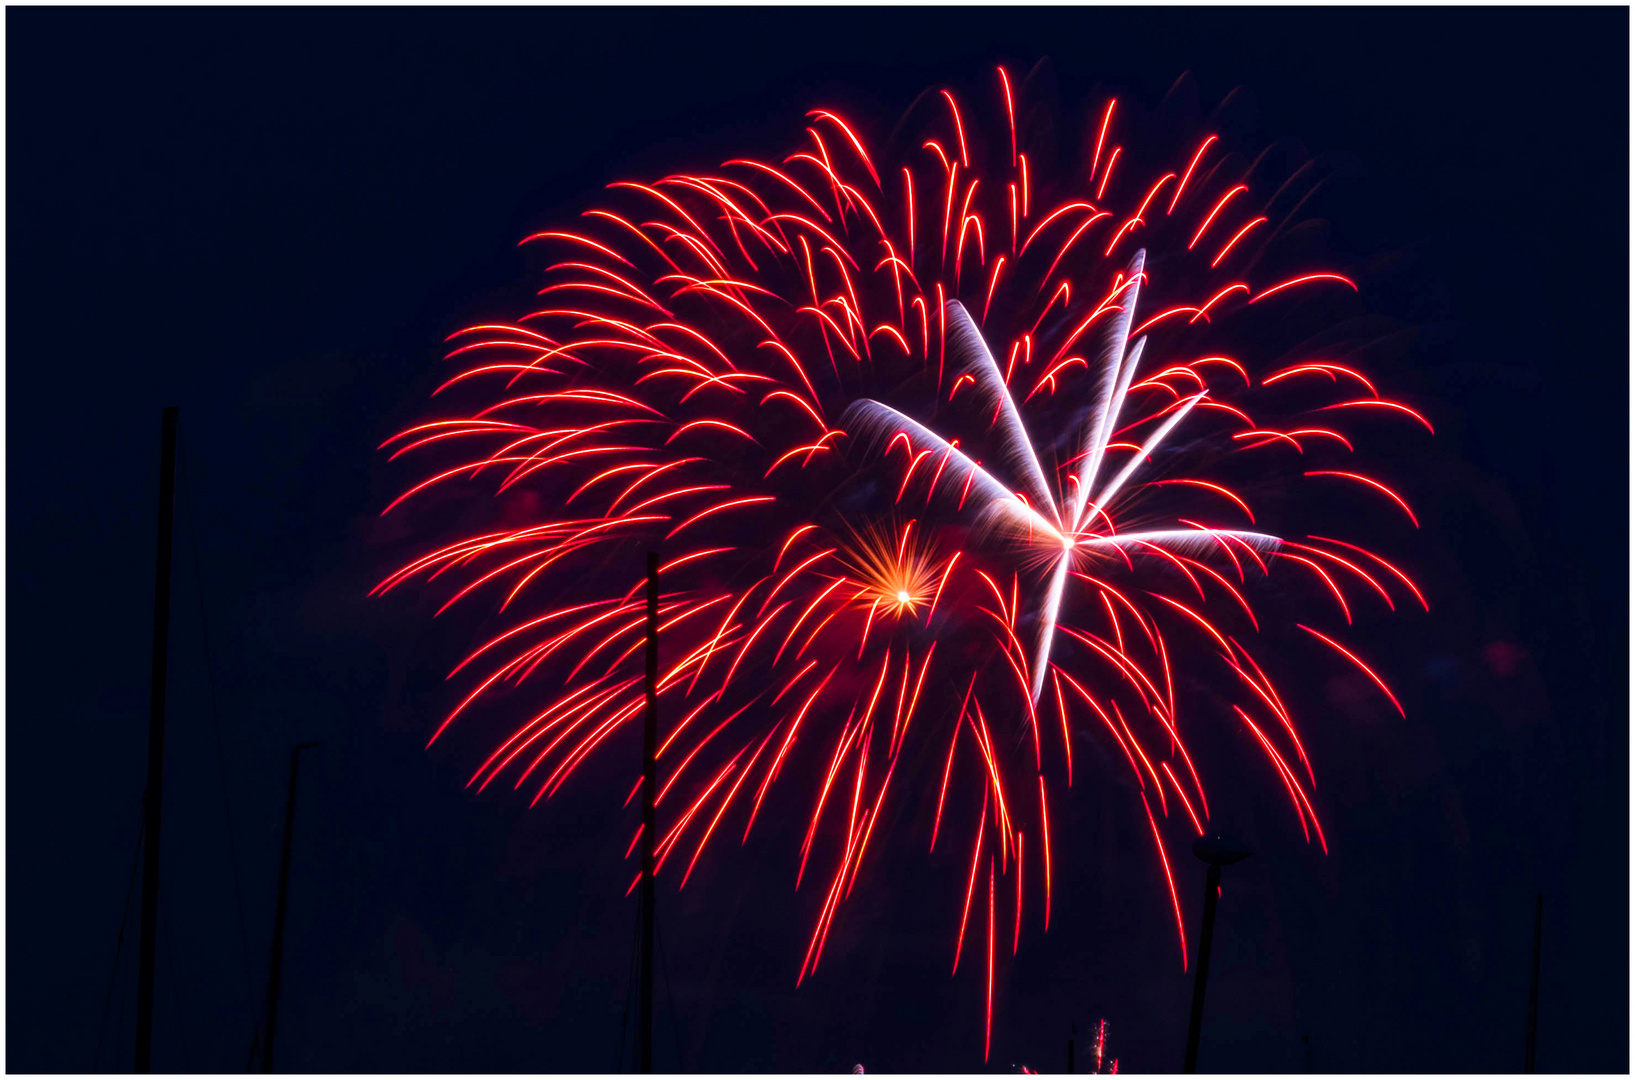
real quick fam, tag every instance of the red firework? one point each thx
(786, 377)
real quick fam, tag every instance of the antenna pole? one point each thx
(1532, 993)
(153, 801)
(275, 972)
(1217, 851)
(650, 738)
(1212, 887)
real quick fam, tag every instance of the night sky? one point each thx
(271, 218)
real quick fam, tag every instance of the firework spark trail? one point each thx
(965, 340)
(1115, 383)
(915, 439)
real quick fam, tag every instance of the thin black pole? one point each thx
(1072, 1032)
(1200, 976)
(1532, 993)
(650, 739)
(153, 801)
(275, 971)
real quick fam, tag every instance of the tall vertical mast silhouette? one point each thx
(153, 800)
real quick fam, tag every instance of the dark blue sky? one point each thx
(272, 217)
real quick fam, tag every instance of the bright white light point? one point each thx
(902, 596)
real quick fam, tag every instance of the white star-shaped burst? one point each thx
(1061, 525)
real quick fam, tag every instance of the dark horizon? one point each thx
(273, 217)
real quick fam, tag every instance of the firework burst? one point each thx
(934, 477)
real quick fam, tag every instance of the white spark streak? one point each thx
(1115, 380)
(1141, 455)
(965, 342)
(1047, 622)
(1186, 541)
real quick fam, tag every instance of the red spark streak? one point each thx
(1212, 487)
(1235, 238)
(976, 860)
(1101, 139)
(1375, 484)
(1016, 934)
(1158, 842)
(1366, 670)
(1205, 226)
(1193, 164)
(1300, 281)
(1399, 574)
(1044, 820)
